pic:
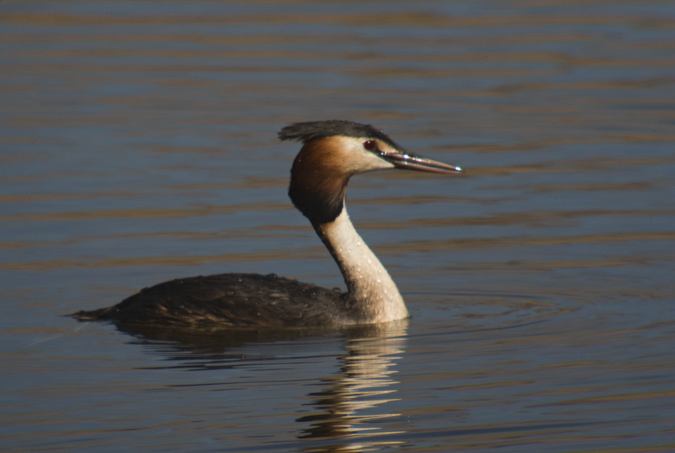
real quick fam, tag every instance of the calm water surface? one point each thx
(138, 144)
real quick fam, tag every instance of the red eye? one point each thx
(370, 145)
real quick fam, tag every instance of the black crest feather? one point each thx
(311, 130)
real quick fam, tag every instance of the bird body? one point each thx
(333, 151)
(230, 300)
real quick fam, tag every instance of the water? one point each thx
(138, 145)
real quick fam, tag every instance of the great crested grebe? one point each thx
(332, 152)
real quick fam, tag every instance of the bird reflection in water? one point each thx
(351, 410)
(346, 416)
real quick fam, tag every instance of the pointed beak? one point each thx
(409, 161)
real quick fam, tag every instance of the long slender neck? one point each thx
(371, 289)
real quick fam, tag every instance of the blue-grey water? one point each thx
(138, 144)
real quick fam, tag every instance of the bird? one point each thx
(332, 152)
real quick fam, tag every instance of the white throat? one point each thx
(371, 288)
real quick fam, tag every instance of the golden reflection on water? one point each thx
(348, 411)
